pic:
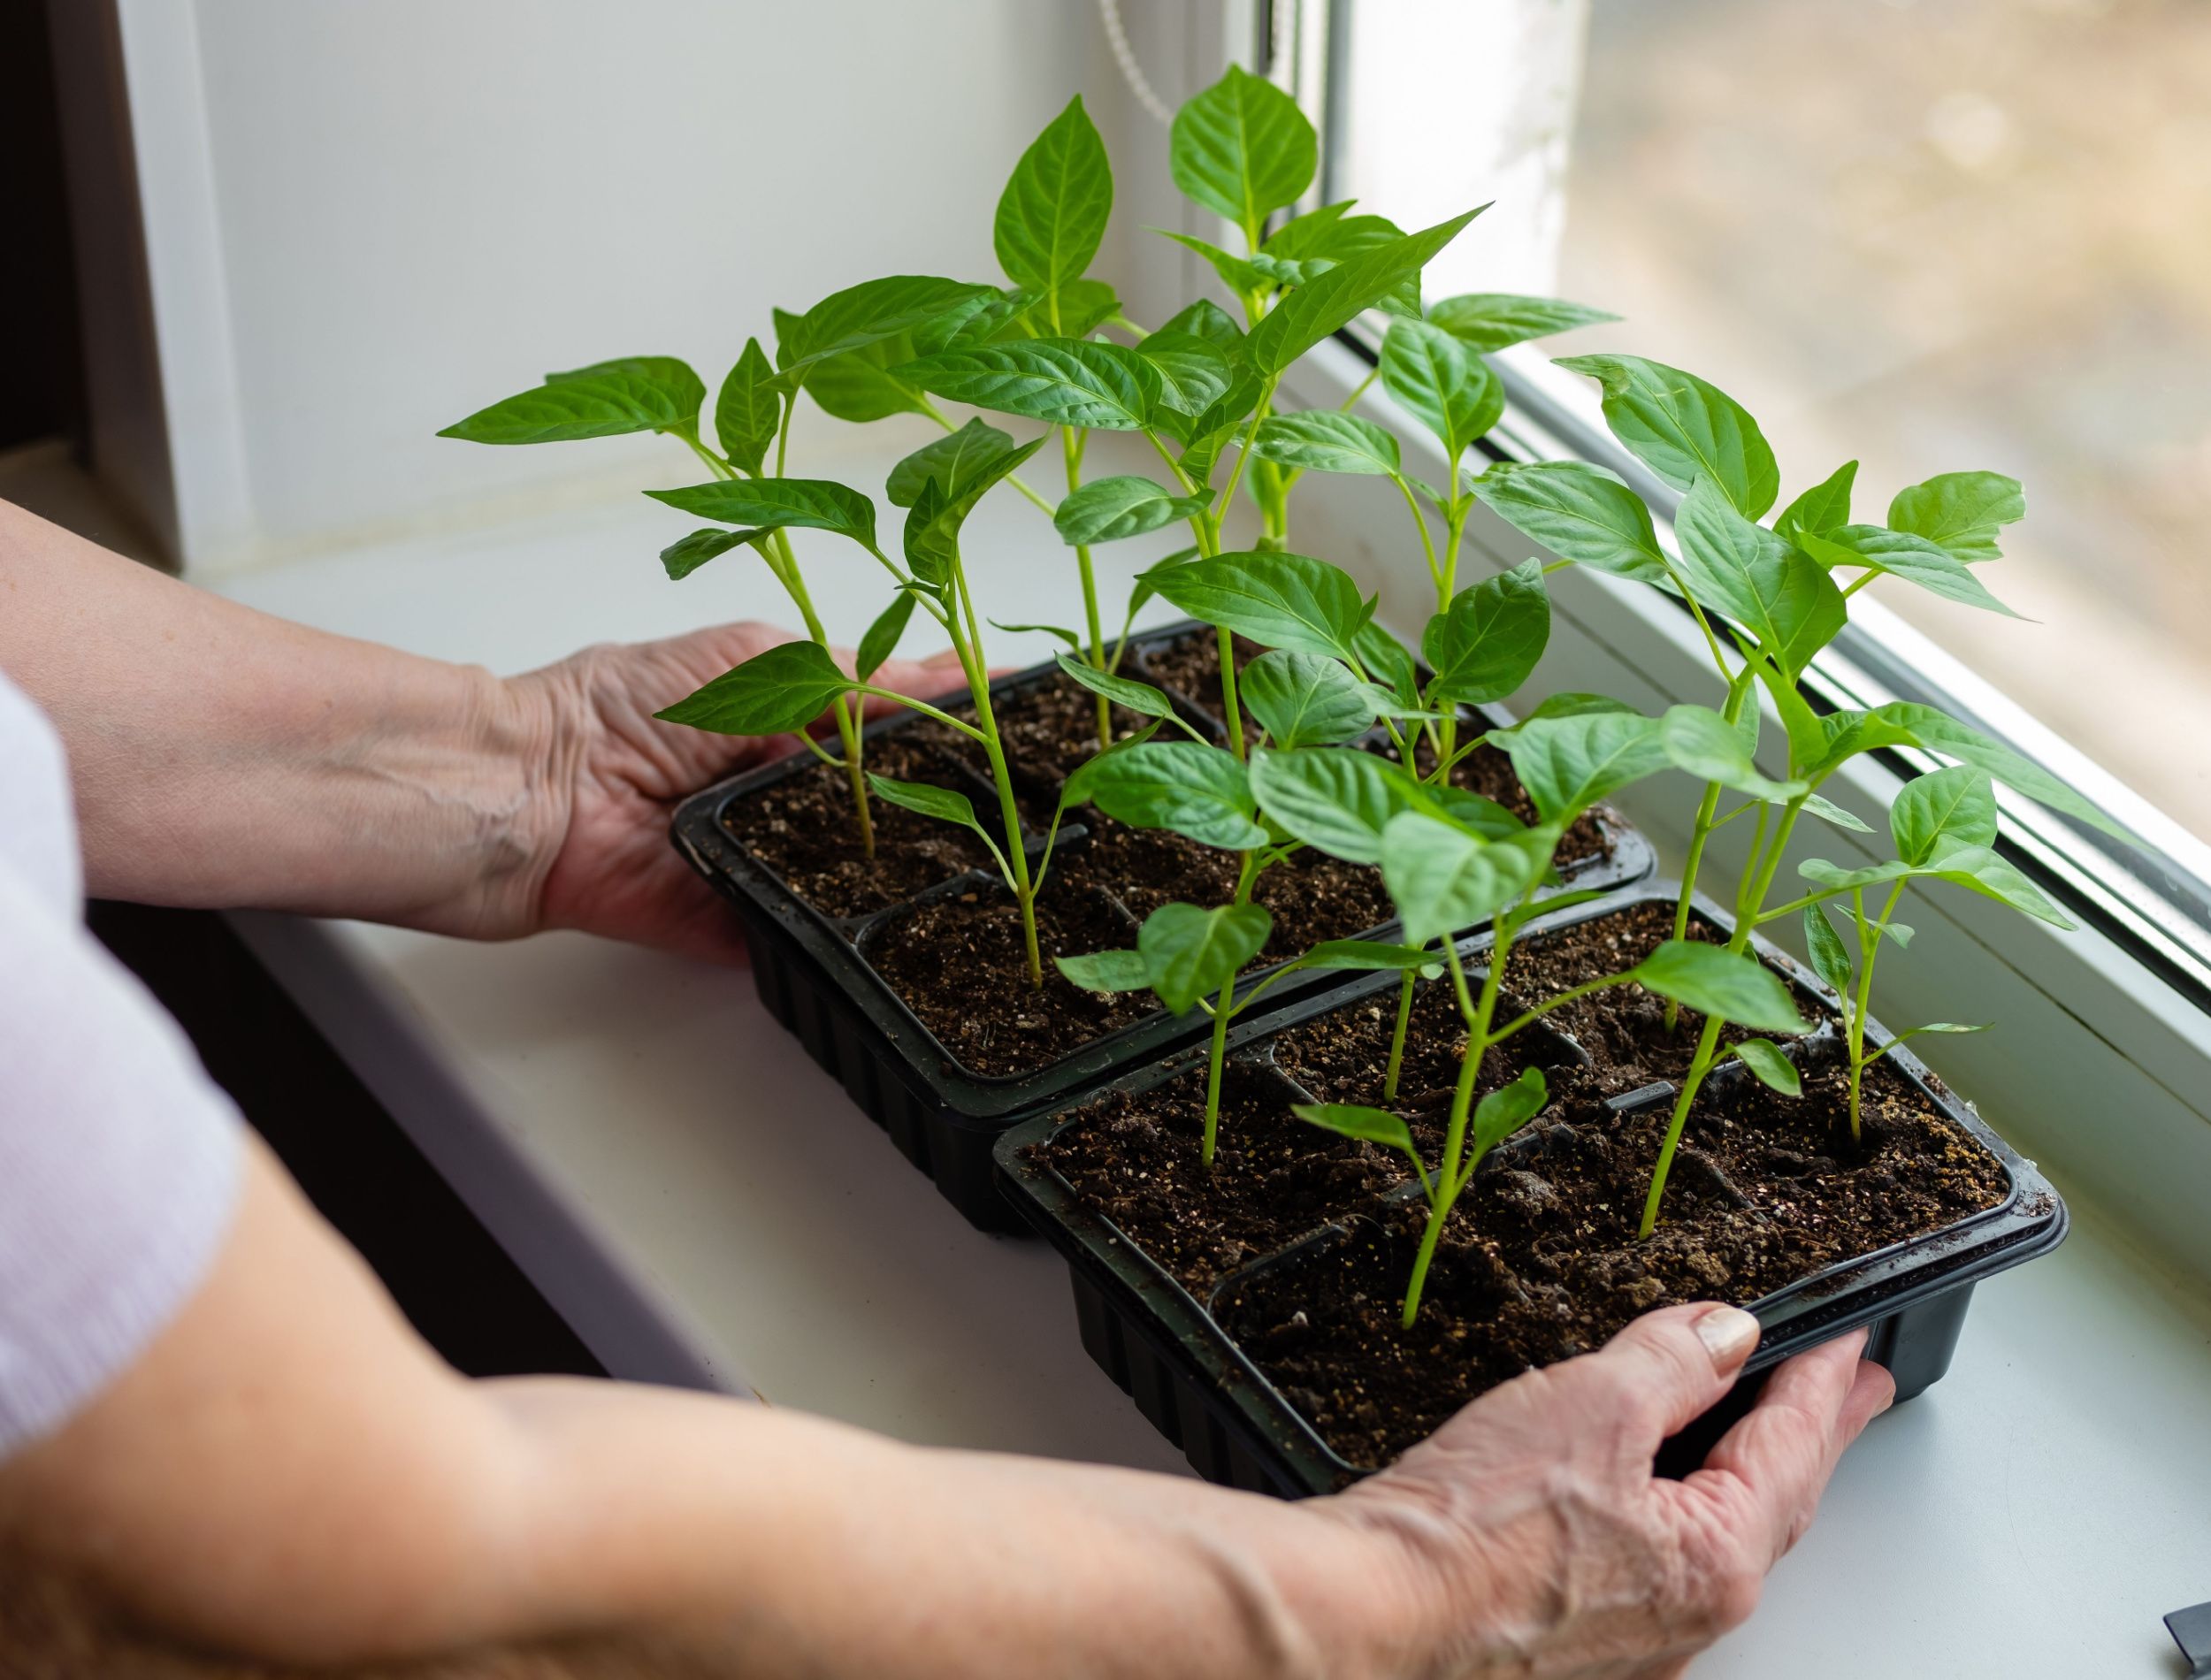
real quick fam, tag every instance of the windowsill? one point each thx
(703, 1201)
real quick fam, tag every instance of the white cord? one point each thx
(1131, 71)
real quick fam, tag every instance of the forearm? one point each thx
(289, 1472)
(222, 757)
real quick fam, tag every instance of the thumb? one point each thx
(1667, 1367)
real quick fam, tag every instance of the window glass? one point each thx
(1930, 235)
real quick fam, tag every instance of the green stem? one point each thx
(1071, 451)
(974, 663)
(1248, 868)
(1698, 1068)
(1869, 947)
(1398, 1037)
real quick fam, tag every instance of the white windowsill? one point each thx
(701, 1201)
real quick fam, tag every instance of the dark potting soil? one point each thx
(1541, 1261)
(803, 829)
(1311, 896)
(1623, 1028)
(958, 963)
(1048, 730)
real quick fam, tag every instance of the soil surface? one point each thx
(803, 829)
(1540, 1260)
(959, 963)
(971, 986)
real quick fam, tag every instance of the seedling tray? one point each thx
(813, 974)
(1187, 1374)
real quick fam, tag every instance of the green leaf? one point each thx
(1476, 813)
(1054, 209)
(1581, 513)
(1069, 382)
(1733, 985)
(1492, 320)
(1073, 639)
(1781, 596)
(1830, 961)
(952, 459)
(859, 386)
(1123, 691)
(984, 318)
(1977, 868)
(773, 504)
(1700, 741)
(1900, 554)
(1385, 658)
(873, 310)
(750, 409)
(1108, 970)
(1442, 879)
(1200, 791)
(1305, 699)
(1447, 387)
(1935, 1026)
(1194, 373)
(1207, 319)
(1953, 807)
(943, 803)
(1071, 312)
(1107, 510)
(1282, 601)
(1828, 811)
(1306, 246)
(686, 556)
(1820, 509)
(1192, 953)
(1337, 802)
(1507, 1108)
(636, 394)
(1573, 704)
(1567, 764)
(1773, 1070)
(881, 639)
(1352, 1120)
(1240, 277)
(1940, 733)
(1242, 148)
(1684, 429)
(1324, 440)
(1146, 583)
(777, 692)
(1959, 511)
(1366, 956)
(934, 522)
(1484, 645)
(1323, 305)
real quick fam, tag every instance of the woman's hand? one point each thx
(612, 774)
(1540, 1544)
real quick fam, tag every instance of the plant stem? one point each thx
(1738, 693)
(1698, 1068)
(1224, 1009)
(1869, 947)
(967, 642)
(1398, 1037)
(1071, 450)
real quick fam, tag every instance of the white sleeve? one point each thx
(120, 1166)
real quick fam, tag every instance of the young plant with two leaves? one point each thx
(1766, 598)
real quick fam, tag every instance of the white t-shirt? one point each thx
(119, 1158)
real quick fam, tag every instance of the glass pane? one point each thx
(1953, 233)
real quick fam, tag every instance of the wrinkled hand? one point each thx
(1545, 1546)
(612, 774)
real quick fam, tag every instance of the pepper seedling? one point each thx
(1444, 873)
(826, 351)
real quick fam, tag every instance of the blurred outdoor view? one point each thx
(1930, 234)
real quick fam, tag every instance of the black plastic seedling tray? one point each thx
(1186, 1373)
(813, 974)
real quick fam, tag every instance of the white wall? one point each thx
(366, 219)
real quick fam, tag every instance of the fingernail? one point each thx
(1728, 1334)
